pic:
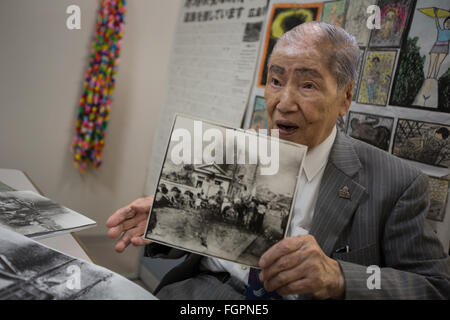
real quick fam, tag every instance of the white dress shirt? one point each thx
(305, 202)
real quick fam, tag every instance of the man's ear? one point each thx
(347, 98)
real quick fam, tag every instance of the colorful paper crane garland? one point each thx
(95, 102)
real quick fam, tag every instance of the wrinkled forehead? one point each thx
(298, 52)
(306, 38)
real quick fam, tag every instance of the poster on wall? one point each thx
(32, 271)
(259, 119)
(282, 18)
(395, 16)
(333, 12)
(376, 77)
(356, 20)
(422, 79)
(373, 129)
(424, 142)
(232, 205)
(212, 67)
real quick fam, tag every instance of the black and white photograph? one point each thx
(252, 31)
(438, 198)
(229, 211)
(424, 142)
(37, 217)
(31, 271)
(373, 129)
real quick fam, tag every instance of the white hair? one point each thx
(343, 56)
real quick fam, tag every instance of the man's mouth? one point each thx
(286, 127)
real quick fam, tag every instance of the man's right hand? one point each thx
(130, 222)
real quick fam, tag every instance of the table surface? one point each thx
(66, 243)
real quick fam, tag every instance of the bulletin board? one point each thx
(401, 98)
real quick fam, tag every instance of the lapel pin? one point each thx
(344, 193)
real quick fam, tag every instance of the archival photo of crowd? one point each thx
(229, 211)
(31, 271)
(34, 216)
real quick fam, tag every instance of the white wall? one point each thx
(42, 66)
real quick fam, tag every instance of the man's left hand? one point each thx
(298, 266)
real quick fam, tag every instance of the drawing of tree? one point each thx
(410, 75)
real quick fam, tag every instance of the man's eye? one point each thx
(275, 82)
(308, 86)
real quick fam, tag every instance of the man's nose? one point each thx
(287, 102)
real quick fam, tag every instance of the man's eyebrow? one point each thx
(307, 71)
(277, 69)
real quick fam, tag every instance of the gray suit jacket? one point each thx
(383, 224)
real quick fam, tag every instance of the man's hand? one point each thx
(130, 222)
(297, 266)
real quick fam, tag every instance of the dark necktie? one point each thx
(255, 288)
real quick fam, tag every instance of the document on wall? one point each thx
(212, 67)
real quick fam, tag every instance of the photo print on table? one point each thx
(229, 211)
(395, 17)
(34, 216)
(424, 142)
(376, 77)
(32, 271)
(284, 17)
(4, 187)
(422, 78)
(373, 129)
(438, 198)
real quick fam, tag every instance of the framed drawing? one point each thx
(284, 17)
(376, 77)
(423, 142)
(395, 17)
(356, 20)
(333, 12)
(259, 118)
(422, 79)
(373, 129)
(438, 189)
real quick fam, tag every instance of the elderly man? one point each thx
(357, 207)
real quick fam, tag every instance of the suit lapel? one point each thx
(339, 194)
